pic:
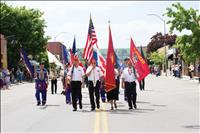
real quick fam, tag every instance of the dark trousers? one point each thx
(131, 93)
(142, 84)
(76, 93)
(93, 90)
(53, 84)
(190, 74)
(68, 95)
(44, 95)
(103, 94)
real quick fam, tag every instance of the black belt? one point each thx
(129, 82)
(92, 81)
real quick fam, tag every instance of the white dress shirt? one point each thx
(116, 73)
(95, 75)
(77, 75)
(128, 75)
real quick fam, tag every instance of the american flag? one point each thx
(91, 41)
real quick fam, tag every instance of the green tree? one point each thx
(157, 58)
(185, 19)
(23, 28)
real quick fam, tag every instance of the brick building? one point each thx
(56, 49)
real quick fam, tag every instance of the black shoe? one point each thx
(111, 108)
(92, 109)
(74, 109)
(115, 105)
(38, 103)
(135, 106)
(98, 106)
(80, 106)
(130, 108)
(43, 103)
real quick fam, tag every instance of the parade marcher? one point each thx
(76, 75)
(94, 76)
(41, 80)
(126, 60)
(128, 83)
(142, 84)
(102, 91)
(67, 85)
(53, 76)
(113, 95)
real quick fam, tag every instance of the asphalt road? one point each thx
(167, 105)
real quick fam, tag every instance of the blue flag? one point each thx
(95, 55)
(27, 63)
(117, 61)
(65, 55)
(74, 47)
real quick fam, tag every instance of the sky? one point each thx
(66, 19)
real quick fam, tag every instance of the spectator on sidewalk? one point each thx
(1, 79)
(6, 78)
(19, 78)
(199, 71)
(12, 75)
(191, 71)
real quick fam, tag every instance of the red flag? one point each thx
(137, 61)
(110, 60)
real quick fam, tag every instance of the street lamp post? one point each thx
(165, 65)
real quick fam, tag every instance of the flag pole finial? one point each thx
(90, 15)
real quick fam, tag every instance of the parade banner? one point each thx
(138, 62)
(26, 61)
(110, 60)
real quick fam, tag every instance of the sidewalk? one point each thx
(184, 77)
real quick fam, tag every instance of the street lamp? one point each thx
(165, 65)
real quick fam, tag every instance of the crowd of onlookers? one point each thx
(176, 70)
(155, 69)
(13, 76)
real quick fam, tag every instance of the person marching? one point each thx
(94, 76)
(53, 81)
(76, 75)
(126, 60)
(142, 84)
(128, 83)
(113, 95)
(66, 84)
(41, 80)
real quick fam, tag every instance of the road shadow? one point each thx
(143, 109)
(149, 90)
(142, 102)
(158, 105)
(192, 126)
(49, 105)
